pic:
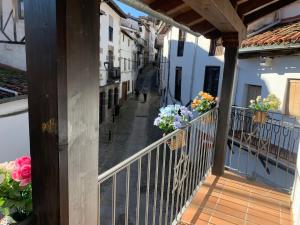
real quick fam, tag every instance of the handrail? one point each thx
(108, 173)
(175, 166)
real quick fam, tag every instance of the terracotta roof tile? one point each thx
(283, 34)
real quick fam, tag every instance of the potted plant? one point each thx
(171, 118)
(203, 102)
(261, 107)
(15, 192)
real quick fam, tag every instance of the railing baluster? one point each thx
(114, 185)
(162, 185)
(99, 202)
(127, 194)
(192, 154)
(155, 188)
(173, 190)
(148, 188)
(169, 188)
(138, 192)
(188, 151)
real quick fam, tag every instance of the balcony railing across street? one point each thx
(263, 151)
(156, 184)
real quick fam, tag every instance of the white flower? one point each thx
(2, 178)
(252, 101)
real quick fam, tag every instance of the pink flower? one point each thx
(23, 161)
(22, 171)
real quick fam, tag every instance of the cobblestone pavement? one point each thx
(133, 129)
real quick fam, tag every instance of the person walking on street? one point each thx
(145, 92)
(137, 94)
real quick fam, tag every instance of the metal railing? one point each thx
(156, 184)
(266, 150)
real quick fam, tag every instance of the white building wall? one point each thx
(193, 62)
(14, 130)
(12, 55)
(126, 52)
(104, 39)
(273, 80)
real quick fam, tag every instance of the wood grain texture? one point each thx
(62, 53)
(220, 14)
(230, 61)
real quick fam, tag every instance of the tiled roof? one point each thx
(12, 80)
(284, 34)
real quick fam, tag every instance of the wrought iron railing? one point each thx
(156, 184)
(263, 150)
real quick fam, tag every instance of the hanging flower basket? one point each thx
(260, 117)
(177, 141)
(261, 107)
(208, 119)
(171, 118)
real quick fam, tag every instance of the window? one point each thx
(293, 101)
(124, 64)
(215, 48)
(181, 40)
(110, 33)
(211, 80)
(21, 9)
(252, 92)
(178, 77)
(128, 86)
(110, 98)
(128, 64)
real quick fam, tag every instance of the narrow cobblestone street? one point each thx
(133, 129)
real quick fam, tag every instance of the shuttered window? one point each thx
(293, 101)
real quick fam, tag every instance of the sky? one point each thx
(127, 9)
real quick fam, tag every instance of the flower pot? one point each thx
(177, 141)
(260, 117)
(207, 119)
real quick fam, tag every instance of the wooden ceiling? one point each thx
(196, 14)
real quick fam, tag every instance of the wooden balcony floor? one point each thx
(231, 199)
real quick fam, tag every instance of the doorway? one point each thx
(124, 90)
(211, 80)
(252, 92)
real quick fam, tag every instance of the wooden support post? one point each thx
(62, 52)
(231, 43)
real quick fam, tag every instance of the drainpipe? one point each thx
(193, 72)
(169, 66)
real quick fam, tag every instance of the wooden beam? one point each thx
(248, 6)
(164, 5)
(231, 43)
(187, 17)
(266, 10)
(62, 54)
(203, 27)
(220, 14)
(177, 10)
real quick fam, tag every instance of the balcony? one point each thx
(114, 73)
(163, 186)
